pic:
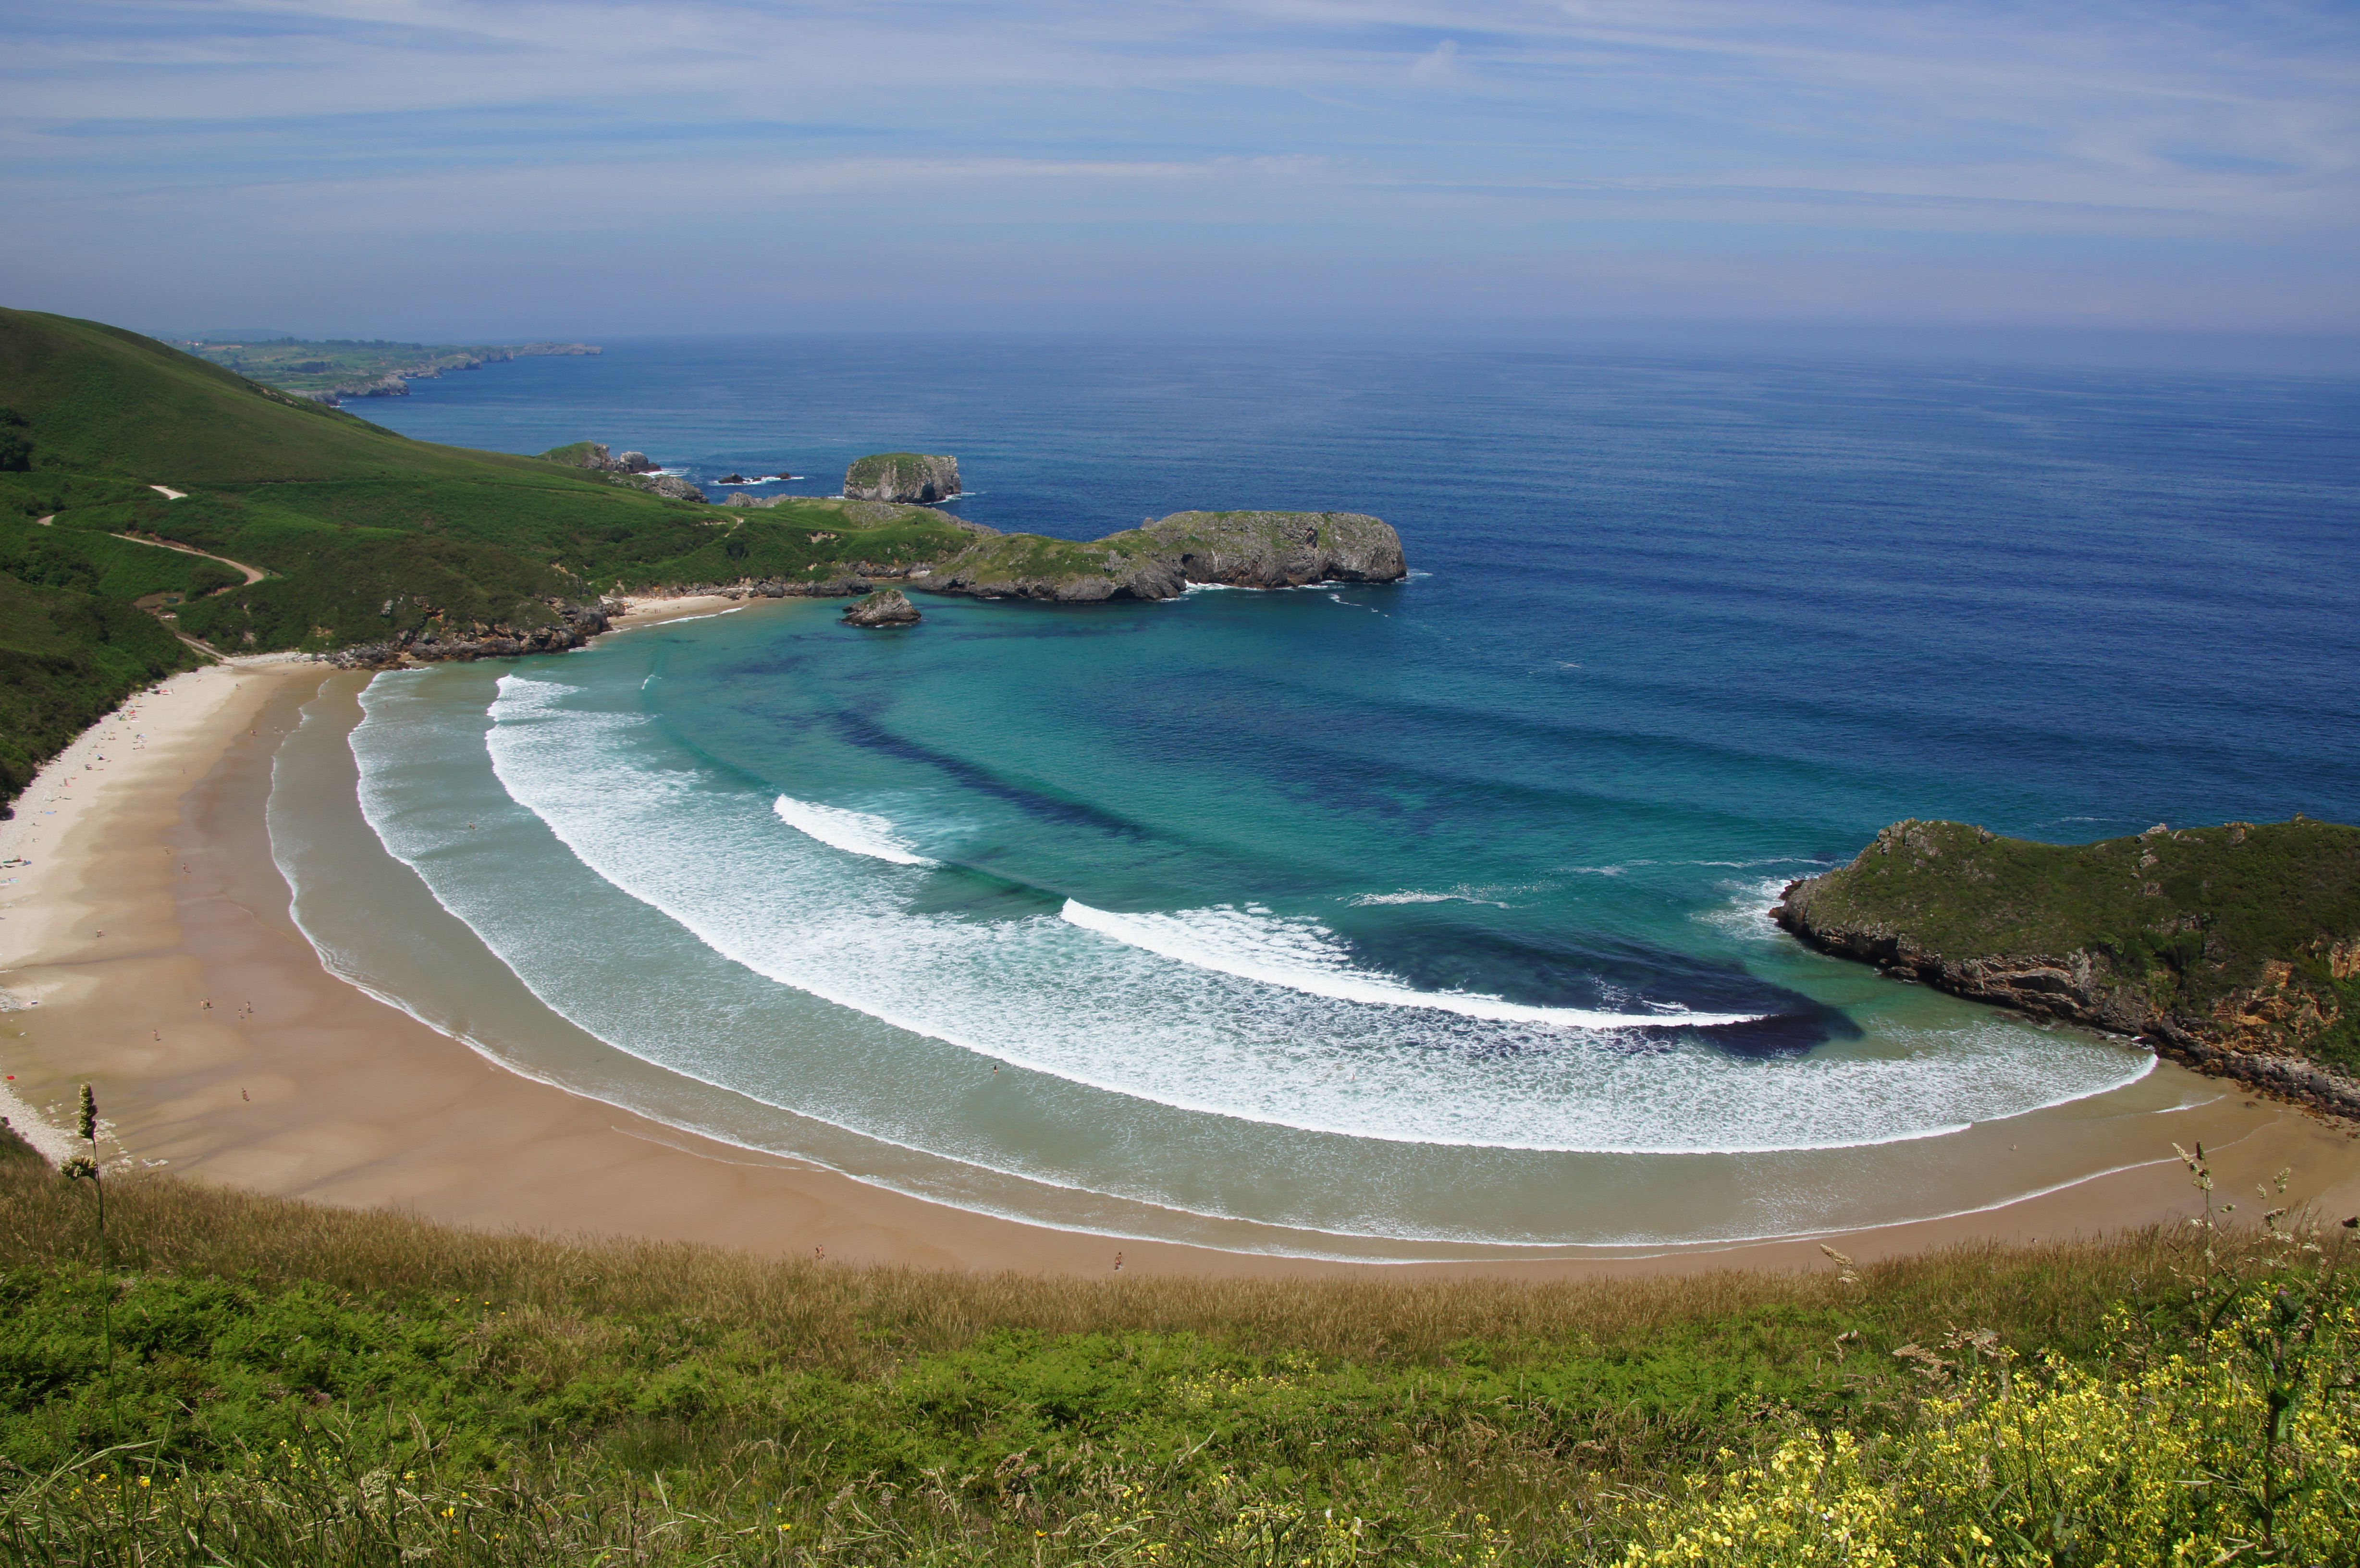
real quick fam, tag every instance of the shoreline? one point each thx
(299, 1083)
(640, 610)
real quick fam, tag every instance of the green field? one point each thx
(246, 1381)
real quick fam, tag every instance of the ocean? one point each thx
(1411, 920)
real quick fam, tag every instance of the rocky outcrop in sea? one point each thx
(886, 607)
(2234, 949)
(902, 477)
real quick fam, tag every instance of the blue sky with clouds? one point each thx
(500, 168)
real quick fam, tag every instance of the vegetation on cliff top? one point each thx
(250, 1380)
(900, 475)
(2211, 923)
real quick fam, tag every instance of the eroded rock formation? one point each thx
(886, 607)
(902, 477)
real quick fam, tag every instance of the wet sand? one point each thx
(152, 892)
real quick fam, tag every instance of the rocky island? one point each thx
(902, 477)
(886, 607)
(2233, 949)
(1160, 559)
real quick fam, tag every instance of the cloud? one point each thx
(2055, 148)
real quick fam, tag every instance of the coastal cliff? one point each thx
(902, 477)
(2234, 949)
(1160, 559)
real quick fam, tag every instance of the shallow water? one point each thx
(1372, 918)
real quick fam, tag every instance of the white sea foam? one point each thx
(1303, 956)
(1368, 900)
(855, 833)
(1746, 915)
(1196, 1033)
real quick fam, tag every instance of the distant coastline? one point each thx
(330, 370)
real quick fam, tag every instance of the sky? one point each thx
(500, 169)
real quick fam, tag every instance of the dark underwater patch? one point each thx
(870, 735)
(1439, 951)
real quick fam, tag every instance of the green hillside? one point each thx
(362, 535)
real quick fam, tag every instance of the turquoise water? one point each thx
(1381, 917)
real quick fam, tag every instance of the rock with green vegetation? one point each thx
(2234, 949)
(902, 477)
(1160, 559)
(886, 607)
(671, 486)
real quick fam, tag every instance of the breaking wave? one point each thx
(1229, 1012)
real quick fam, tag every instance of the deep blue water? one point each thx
(2058, 602)
(1218, 877)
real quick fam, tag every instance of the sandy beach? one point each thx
(145, 945)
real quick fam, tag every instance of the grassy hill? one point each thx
(246, 1381)
(363, 535)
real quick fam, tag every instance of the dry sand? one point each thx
(152, 893)
(647, 612)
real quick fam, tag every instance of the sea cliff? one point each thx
(2232, 949)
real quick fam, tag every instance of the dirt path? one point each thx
(253, 574)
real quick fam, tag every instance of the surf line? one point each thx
(855, 833)
(1169, 936)
(1240, 954)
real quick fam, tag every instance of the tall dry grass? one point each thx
(856, 1320)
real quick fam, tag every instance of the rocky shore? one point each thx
(441, 639)
(2233, 950)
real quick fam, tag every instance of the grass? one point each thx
(90, 560)
(2239, 931)
(296, 1383)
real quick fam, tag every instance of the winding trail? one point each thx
(252, 574)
